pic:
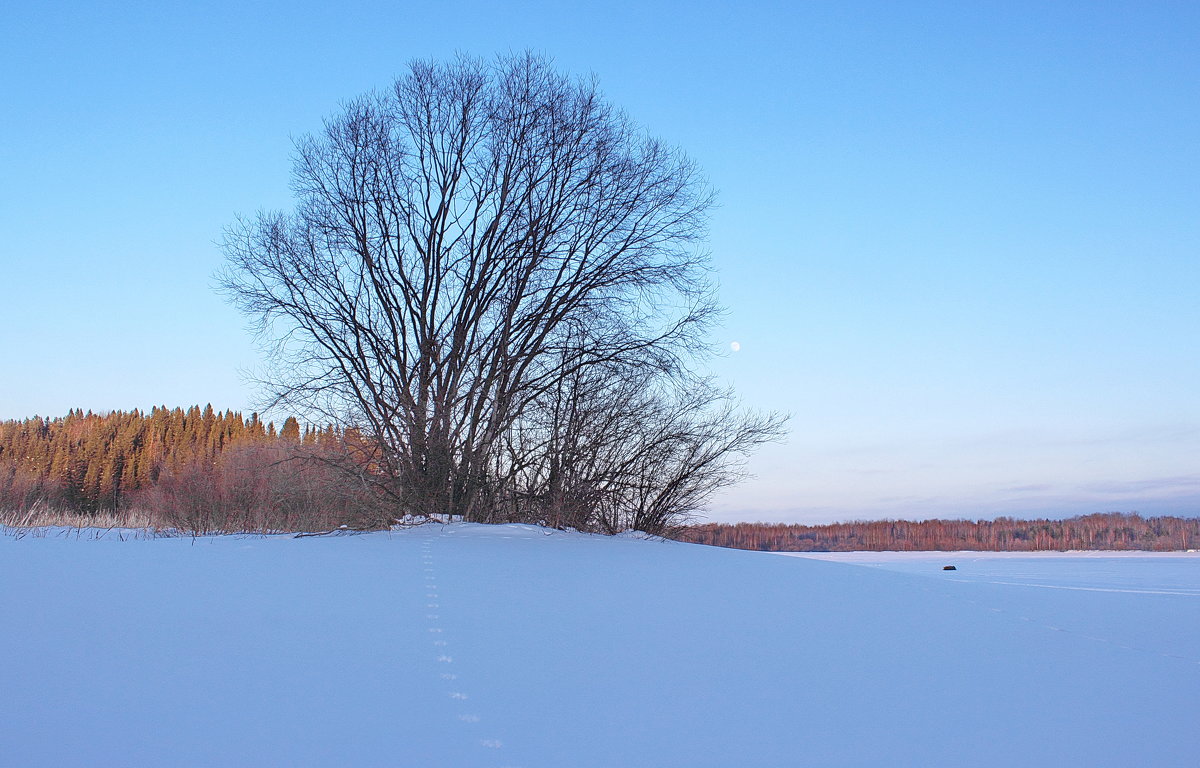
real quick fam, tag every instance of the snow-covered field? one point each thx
(499, 646)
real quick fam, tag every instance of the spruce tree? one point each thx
(291, 430)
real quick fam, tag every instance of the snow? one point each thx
(491, 646)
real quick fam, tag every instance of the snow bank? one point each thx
(462, 645)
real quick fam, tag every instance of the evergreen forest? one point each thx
(197, 469)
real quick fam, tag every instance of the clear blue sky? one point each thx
(958, 242)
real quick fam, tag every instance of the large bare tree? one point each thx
(465, 247)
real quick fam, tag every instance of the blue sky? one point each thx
(958, 242)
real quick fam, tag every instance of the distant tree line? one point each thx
(198, 469)
(1004, 534)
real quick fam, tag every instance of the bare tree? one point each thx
(618, 449)
(463, 246)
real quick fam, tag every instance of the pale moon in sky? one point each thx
(735, 346)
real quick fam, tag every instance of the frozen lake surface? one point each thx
(1145, 602)
(515, 646)
(1145, 572)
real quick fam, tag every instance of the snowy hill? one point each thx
(515, 646)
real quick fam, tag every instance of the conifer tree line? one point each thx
(199, 468)
(1111, 531)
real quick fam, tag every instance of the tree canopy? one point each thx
(498, 278)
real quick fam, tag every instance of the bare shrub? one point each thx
(264, 488)
(23, 491)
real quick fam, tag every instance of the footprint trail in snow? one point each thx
(455, 690)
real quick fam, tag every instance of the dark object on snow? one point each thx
(949, 568)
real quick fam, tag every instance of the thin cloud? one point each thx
(1156, 487)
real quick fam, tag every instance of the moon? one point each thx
(735, 345)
